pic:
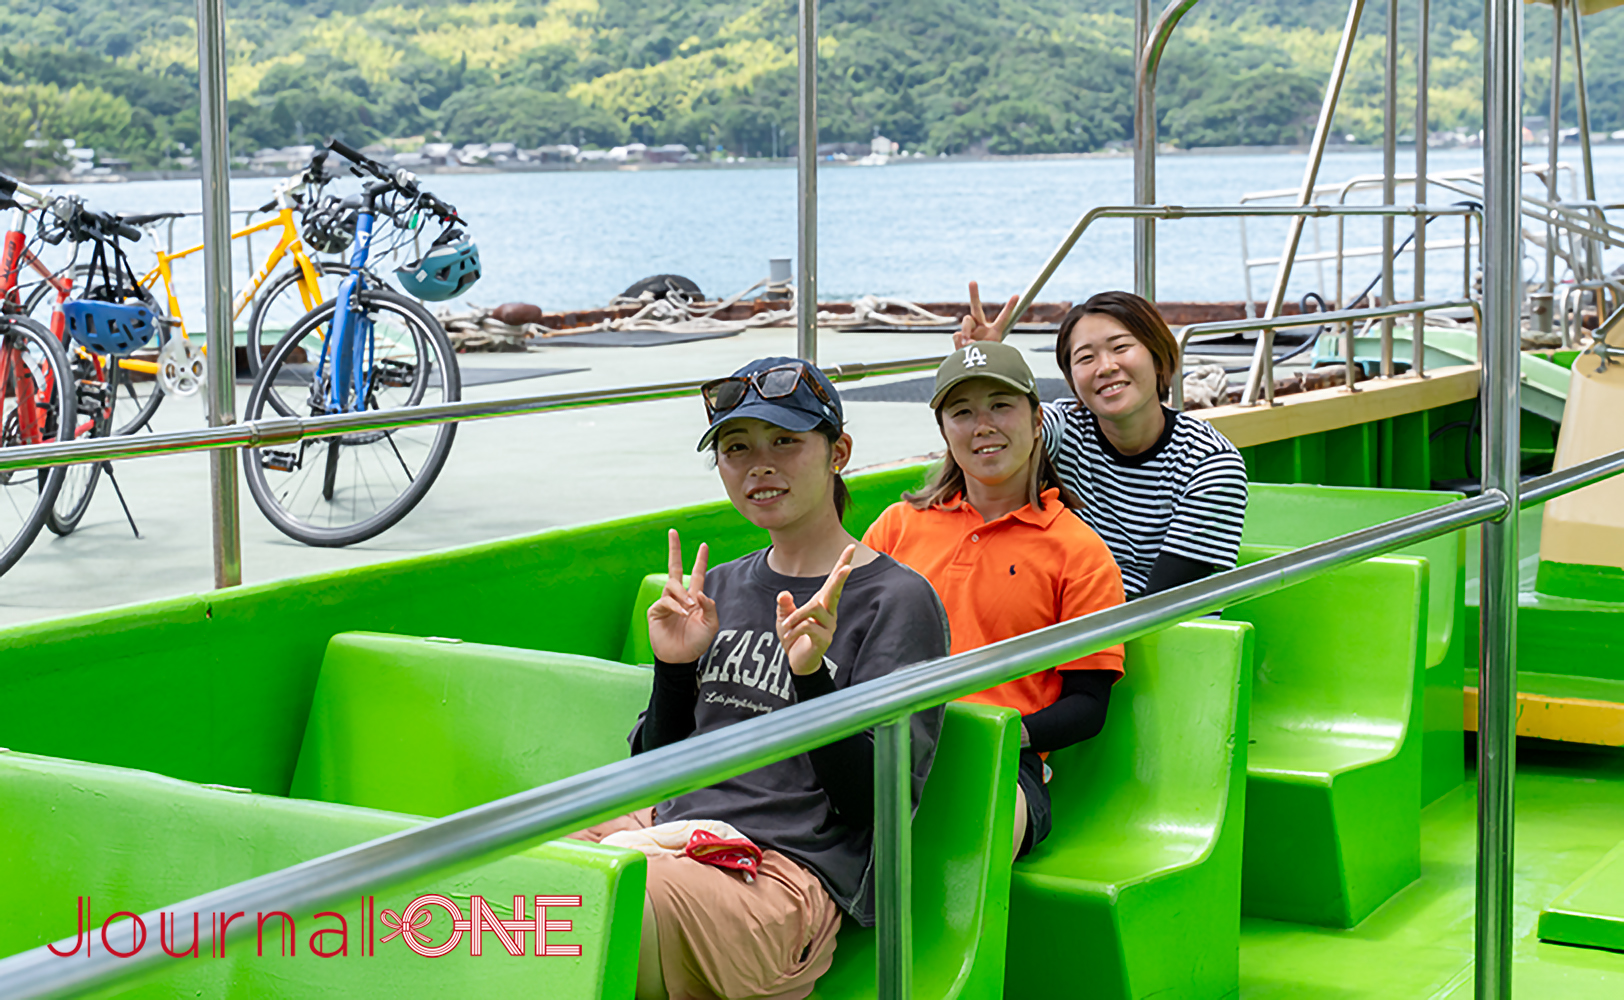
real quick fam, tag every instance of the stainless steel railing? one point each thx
(1170, 212)
(1342, 317)
(474, 835)
(286, 430)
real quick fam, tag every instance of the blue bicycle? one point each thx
(368, 348)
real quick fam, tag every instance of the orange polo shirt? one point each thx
(998, 579)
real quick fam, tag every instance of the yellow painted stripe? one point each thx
(1332, 409)
(1572, 720)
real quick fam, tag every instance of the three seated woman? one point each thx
(1040, 513)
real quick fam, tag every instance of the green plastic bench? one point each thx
(134, 841)
(1333, 817)
(478, 722)
(539, 716)
(1136, 892)
(637, 650)
(1289, 515)
(961, 851)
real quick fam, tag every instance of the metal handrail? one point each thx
(286, 430)
(1343, 316)
(475, 835)
(1444, 179)
(1170, 212)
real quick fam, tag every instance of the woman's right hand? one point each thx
(683, 622)
(975, 326)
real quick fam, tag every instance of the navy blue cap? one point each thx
(800, 411)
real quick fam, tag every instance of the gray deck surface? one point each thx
(505, 477)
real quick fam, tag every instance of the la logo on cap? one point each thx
(974, 356)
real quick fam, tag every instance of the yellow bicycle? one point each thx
(278, 297)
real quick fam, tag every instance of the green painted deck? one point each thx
(1570, 813)
(1589, 912)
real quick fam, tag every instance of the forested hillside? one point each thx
(1009, 76)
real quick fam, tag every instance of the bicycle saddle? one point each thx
(149, 218)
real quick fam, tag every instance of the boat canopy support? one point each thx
(1500, 351)
(222, 375)
(806, 185)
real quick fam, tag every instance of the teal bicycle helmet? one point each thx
(445, 272)
(109, 327)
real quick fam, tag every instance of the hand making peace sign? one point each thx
(683, 622)
(975, 326)
(805, 632)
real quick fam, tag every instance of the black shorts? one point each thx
(1039, 814)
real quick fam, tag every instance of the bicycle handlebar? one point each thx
(357, 157)
(400, 177)
(81, 225)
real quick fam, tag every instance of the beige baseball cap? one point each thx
(985, 359)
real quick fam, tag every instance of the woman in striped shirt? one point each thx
(1164, 490)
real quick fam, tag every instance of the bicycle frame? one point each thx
(18, 379)
(14, 256)
(351, 333)
(290, 243)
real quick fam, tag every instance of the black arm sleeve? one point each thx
(1171, 570)
(1078, 714)
(845, 769)
(670, 715)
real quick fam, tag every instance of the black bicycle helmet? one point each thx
(329, 225)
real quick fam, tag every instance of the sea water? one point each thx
(917, 230)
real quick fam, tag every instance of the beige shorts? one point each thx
(722, 938)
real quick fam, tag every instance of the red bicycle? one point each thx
(37, 404)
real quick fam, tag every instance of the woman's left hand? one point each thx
(805, 632)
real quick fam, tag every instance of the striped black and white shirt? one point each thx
(1186, 494)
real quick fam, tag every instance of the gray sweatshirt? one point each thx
(889, 617)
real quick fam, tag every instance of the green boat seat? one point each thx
(1333, 816)
(487, 721)
(135, 841)
(1136, 892)
(637, 650)
(1294, 515)
(1590, 912)
(961, 851)
(478, 722)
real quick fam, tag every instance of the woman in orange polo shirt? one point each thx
(996, 536)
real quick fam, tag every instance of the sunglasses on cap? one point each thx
(724, 394)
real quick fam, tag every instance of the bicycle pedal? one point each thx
(93, 397)
(395, 374)
(278, 461)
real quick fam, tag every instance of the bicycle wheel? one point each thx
(36, 389)
(279, 305)
(93, 420)
(345, 489)
(139, 394)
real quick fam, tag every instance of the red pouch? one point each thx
(736, 853)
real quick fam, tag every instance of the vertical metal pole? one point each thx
(222, 385)
(893, 859)
(1144, 157)
(1389, 177)
(1423, 63)
(1583, 100)
(1553, 147)
(1347, 328)
(1500, 352)
(1263, 358)
(806, 173)
(1593, 249)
